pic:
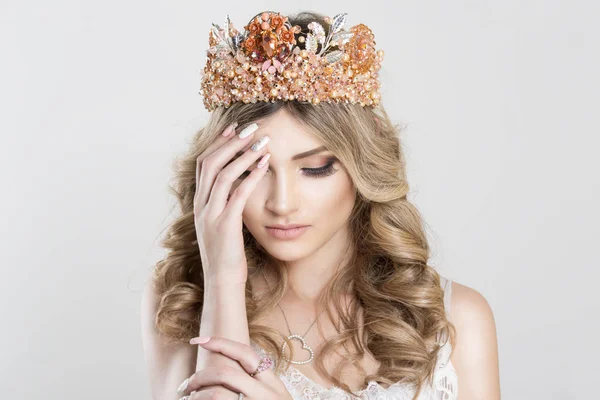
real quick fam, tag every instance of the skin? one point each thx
(289, 194)
(285, 194)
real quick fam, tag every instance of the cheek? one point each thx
(332, 199)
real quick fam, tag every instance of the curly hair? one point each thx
(398, 294)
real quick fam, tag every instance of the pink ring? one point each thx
(265, 363)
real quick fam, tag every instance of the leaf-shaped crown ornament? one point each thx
(272, 60)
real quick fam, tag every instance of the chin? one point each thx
(285, 250)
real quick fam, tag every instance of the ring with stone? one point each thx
(265, 363)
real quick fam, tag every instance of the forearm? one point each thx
(223, 314)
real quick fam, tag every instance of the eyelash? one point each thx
(320, 172)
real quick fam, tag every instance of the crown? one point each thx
(266, 63)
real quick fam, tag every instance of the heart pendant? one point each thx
(304, 346)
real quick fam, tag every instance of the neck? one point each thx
(308, 276)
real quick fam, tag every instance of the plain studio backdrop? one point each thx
(500, 100)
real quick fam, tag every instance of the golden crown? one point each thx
(265, 63)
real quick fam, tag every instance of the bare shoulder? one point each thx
(475, 355)
(467, 304)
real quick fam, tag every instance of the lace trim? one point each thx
(444, 386)
(445, 379)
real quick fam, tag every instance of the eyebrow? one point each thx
(309, 153)
(301, 155)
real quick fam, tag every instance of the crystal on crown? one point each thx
(266, 63)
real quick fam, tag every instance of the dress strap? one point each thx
(445, 378)
(447, 286)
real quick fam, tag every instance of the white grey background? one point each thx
(97, 97)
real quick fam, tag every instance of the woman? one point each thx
(297, 251)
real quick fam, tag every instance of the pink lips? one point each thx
(291, 233)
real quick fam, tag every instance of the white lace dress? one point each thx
(445, 383)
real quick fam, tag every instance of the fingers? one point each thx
(221, 380)
(242, 353)
(225, 136)
(225, 179)
(213, 392)
(208, 168)
(231, 378)
(240, 195)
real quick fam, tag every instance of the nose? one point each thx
(283, 197)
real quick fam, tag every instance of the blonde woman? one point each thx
(298, 269)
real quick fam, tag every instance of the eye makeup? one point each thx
(319, 172)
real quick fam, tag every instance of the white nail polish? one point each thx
(183, 385)
(248, 130)
(263, 160)
(260, 144)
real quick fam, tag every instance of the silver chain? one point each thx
(291, 334)
(288, 325)
(286, 321)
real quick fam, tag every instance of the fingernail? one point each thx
(199, 339)
(183, 386)
(263, 160)
(261, 143)
(230, 129)
(247, 131)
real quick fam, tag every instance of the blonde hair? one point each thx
(388, 275)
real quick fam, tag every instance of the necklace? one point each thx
(294, 336)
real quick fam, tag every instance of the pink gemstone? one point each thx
(272, 69)
(257, 56)
(266, 65)
(265, 364)
(284, 52)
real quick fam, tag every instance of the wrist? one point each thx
(224, 310)
(224, 283)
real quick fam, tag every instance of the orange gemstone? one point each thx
(269, 43)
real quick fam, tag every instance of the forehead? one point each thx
(287, 136)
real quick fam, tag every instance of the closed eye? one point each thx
(319, 172)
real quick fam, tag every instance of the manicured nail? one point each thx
(263, 160)
(247, 131)
(183, 386)
(230, 129)
(199, 339)
(260, 143)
